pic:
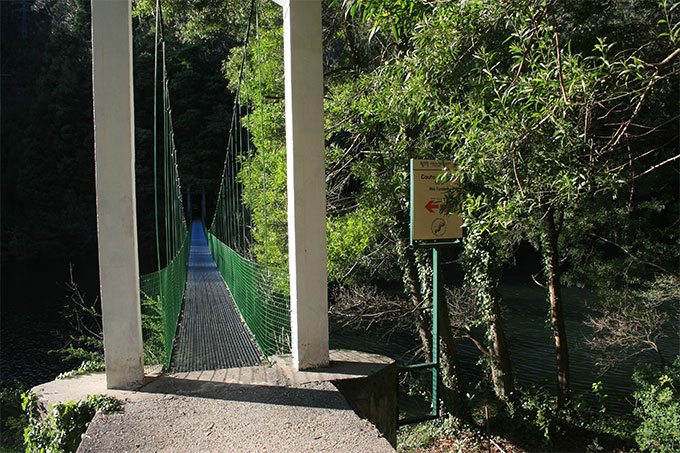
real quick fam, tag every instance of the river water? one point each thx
(32, 319)
(531, 346)
(32, 324)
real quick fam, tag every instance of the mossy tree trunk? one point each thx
(551, 256)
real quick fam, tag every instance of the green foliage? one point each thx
(349, 237)
(422, 435)
(12, 418)
(202, 20)
(659, 398)
(539, 421)
(671, 11)
(59, 429)
(598, 390)
(540, 409)
(396, 16)
(83, 347)
(89, 347)
(88, 366)
(153, 331)
(86, 343)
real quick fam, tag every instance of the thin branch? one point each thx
(623, 128)
(677, 156)
(496, 445)
(645, 154)
(514, 169)
(336, 70)
(524, 57)
(666, 60)
(636, 258)
(533, 277)
(559, 56)
(655, 78)
(478, 344)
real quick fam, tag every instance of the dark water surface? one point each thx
(531, 346)
(32, 323)
(32, 320)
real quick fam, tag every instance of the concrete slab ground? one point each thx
(254, 409)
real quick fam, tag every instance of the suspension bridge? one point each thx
(235, 306)
(221, 303)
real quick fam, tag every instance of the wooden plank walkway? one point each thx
(211, 332)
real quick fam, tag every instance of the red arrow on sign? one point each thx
(430, 206)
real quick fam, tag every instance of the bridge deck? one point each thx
(211, 332)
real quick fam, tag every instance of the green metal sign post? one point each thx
(430, 227)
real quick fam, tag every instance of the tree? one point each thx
(369, 143)
(52, 146)
(628, 324)
(520, 125)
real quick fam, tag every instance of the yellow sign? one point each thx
(428, 221)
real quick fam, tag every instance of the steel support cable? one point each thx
(229, 201)
(234, 182)
(244, 244)
(250, 17)
(247, 243)
(166, 145)
(171, 192)
(173, 189)
(155, 133)
(260, 292)
(175, 182)
(262, 151)
(165, 287)
(237, 192)
(174, 212)
(250, 182)
(232, 204)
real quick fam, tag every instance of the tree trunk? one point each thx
(415, 295)
(412, 280)
(452, 378)
(484, 270)
(501, 367)
(552, 269)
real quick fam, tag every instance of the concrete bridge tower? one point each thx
(116, 209)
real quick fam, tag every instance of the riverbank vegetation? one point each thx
(562, 124)
(562, 121)
(59, 428)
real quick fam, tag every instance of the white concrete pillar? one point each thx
(306, 182)
(115, 175)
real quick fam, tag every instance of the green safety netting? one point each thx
(261, 295)
(162, 293)
(260, 290)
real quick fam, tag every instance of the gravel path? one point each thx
(177, 415)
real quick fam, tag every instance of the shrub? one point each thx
(659, 407)
(59, 429)
(12, 418)
(88, 366)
